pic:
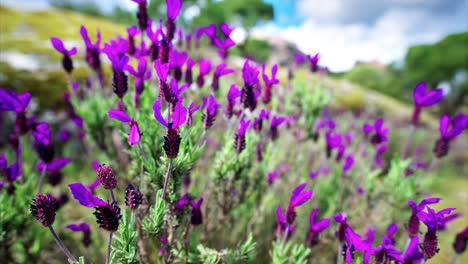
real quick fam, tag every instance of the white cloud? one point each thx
(341, 45)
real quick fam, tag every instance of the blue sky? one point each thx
(344, 31)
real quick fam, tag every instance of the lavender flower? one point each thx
(9, 173)
(182, 202)
(204, 69)
(188, 71)
(458, 125)
(11, 101)
(162, 69)
(461, 241)
(191, 110)
(269, 82)
(106, 177)
(258, 122)
(141, 75)
(211, 106)
(298, 198)
(240, 136)
(341, 232)
(313, 62)
(413, 223)
(221, 70)
(423, 98)
(132, 32)
(413, 254)
(299, 58)
(133, 197)
(173, 10)
(142, 14)
(271, 177)
(315, 228)
(82, 227)
(275, 123)
(196, 216)
(378, 157)
(248, 95)
(232, 95)
(378, 131)
(43, 142)
(134, 135)
(107, 215)
(177, 60)
(430, 219)
(172, 139)
(282, 225)
(54, 169)
(349, 162)
(92, 49)
(120, 79)
(43, 209)
(67, 62)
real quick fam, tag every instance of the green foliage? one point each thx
(124, 246)
(439, 62)
(257, 49)
(81, 260)
(242, 253)
(290, 253)
(153, 223)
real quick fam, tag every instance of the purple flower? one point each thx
(413, 224)
(378, 131)
(343, 221)
(249, 95)
(43, 209)
(53, 169)
(275, 123)
(204, 69)
(423, 98)
(378, 157)
(84, 196)
(196, 216)
(9, 173)
(92, 49)
(162, 69)
(182, 202)
(11, 101)
(298, 198)
(140, 73)
(178, 116)
(211, 106)
(132, 32)
(315, 228)
(232, 95)
(313, 62)
(43, 138)
(271, 177)
(269, 82)
(432, 219)
(413, 254)
(449, 131)
(282, 225)
(191, 110)
(220, 70)
(134, 135)
(177, 60)
(461, 241)
(67, 62)
(250, 74)
(142, 14)
(240, 135)
(333, 140)
(299, 58)
(173, 8)
(133, 197)
(349, 162)
(188, 71)
(82, 227)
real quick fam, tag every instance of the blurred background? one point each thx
(376, 52)
(387, 46)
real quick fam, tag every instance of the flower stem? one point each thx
(453, 260)
(412, 128)
(132, 218)
(285, 236)
(166, 180)
(109, 248)
(61, 245)
(112, 195)
(338, 256)
(41, 179)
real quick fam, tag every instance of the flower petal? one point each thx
(119, 115)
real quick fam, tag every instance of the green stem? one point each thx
(61, 245)
(109, 248)
(166, 180)
(41, 179)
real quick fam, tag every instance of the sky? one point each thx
(346, 31)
